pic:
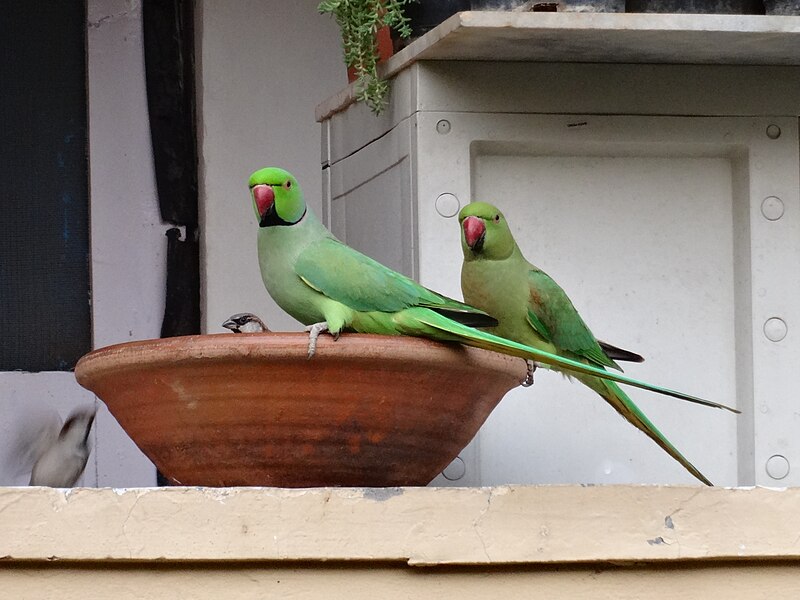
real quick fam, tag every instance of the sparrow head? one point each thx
(77, 426)
(277, 197)
(484, 232)
(245, 323)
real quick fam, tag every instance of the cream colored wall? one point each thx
(511, 541)
(248, 581)
(263, 66)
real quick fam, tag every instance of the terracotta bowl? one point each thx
(251, 409)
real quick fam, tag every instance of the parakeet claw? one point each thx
(528, 381)
(313, 333)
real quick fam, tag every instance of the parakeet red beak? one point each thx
(474, 233)
(265, 198)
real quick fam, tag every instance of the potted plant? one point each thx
(362, 22)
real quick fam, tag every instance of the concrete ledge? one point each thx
(420, 526)
(646, 38)
(607, 37)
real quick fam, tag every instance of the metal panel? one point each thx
(642, 221)
(691, 90)
(371, 207)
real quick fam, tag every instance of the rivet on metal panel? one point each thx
(775, 329)
(773, 132)
(777, 466)
(455, 470)
(772, 208)
(443, 127)
(447, 205)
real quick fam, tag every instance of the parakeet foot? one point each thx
(528, 381)
(313, 333)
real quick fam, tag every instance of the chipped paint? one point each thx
(421, 526)
(382, 494)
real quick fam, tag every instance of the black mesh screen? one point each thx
(44, 216)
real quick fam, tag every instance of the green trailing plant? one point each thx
(359, 21)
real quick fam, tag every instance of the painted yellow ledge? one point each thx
(522, 525)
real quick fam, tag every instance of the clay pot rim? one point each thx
(289, 346)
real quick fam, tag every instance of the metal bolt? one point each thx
(773, 132)
(775, 329)
(443, 127)
(772, 208)
(447, 205)
(455, 470)
(777, 466)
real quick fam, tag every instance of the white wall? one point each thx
(262, 67)
(128, 237)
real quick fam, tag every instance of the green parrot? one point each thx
(532, 309)
(330, 287)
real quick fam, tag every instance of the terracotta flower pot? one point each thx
(385, 51)
(251, 409)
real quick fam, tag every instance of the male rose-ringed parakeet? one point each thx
(330, 287)
(533, 310)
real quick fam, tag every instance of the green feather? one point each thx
(552, 314)
(450, 331)
(633, 414)
(363, 284)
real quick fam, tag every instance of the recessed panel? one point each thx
(644, 247)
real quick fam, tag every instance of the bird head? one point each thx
(245, 323)
(77, 426)
(484, 232)
(277, 197)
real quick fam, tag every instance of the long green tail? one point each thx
(457, 332)
(599, 380)
(612, 393)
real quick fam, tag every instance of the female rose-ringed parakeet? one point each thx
(331, 287)
(533, 310)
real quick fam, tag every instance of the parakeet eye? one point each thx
(497, 218)
(288, 184)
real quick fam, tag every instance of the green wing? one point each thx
(553, 317)
(363, 284)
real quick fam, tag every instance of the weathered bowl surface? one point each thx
(251, 409)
